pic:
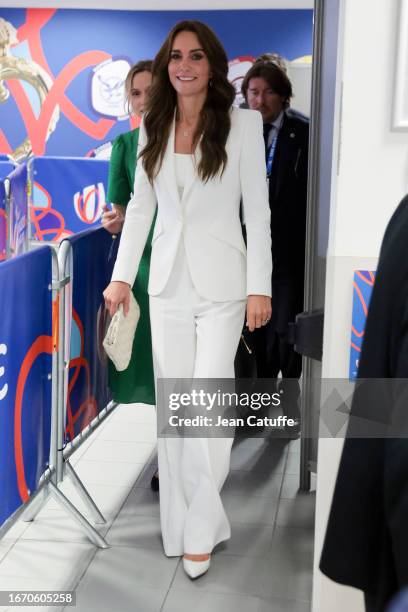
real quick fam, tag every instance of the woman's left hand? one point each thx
(259, 311)
(112, 220)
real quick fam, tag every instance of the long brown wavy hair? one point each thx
(214, 124)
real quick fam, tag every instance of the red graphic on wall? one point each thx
(47, 223)
(88, 203)
(368, 279)
(43, 344)
(80, 375)
(37, 128)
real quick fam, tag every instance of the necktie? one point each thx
(267, 127)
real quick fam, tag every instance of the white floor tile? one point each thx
(44, 565)
(108, 473)
(82, 448)
(121, 571)
(247, 509)
(130, 432)
(108, 450)
(275, 604)
(297, 512)
(59, 527)
(186, 601)
(135, 413)
(15, 531)
(293, 464)
(290, 486)
(5, 546)
(227, 574)
(130, 529)
(288, 569)
(294, 446)
(257, 484)
(247, 539)
(104, 595)
(109, 499)
(142, 500)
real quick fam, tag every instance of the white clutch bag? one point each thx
(119, 338)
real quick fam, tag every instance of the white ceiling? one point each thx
(160, 5)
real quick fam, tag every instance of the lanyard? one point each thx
(271, 154)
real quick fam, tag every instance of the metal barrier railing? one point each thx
(3, 221)
(61, 448)
(18, 220)
(23, 190)
(23, 496)
(7, 190)
(66, 448)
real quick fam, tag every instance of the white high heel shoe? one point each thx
(194, 569)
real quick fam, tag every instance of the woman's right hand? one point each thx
(112, 220)
(117, 292)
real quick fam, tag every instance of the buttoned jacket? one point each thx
(206, 218)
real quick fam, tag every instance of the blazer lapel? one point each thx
(169, 167)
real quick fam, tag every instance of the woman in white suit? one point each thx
(199, 157)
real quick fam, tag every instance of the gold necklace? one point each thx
(186, 132)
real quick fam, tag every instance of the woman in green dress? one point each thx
(136, 383)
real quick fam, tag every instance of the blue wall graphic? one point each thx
(77, 53)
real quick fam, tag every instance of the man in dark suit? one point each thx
(267, 88)
(366, 544)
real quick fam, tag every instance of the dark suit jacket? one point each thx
(287, 200)
(366, 544)
(288, 196)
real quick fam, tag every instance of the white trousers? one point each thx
(193, 338)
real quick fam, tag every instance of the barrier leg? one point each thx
(36, 506)
(93, 535)
(62, 465)
(86, 498)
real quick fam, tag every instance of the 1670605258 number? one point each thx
(33, 598)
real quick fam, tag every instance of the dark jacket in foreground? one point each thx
(366, 543)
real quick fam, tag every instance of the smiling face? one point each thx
(262, 98)
(189, 69)
(139, 91)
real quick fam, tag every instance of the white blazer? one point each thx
(207, 218)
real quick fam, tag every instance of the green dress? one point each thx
(136, 383)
